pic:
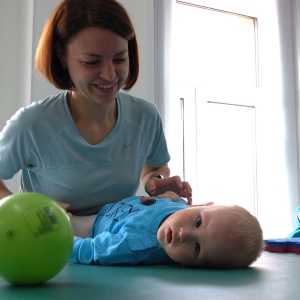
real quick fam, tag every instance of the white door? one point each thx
(220, 146)
(217, 51)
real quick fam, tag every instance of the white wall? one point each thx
(15, 60)
(40, 88)
(9, 58)
(277, 159)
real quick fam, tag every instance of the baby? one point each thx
(165, 230)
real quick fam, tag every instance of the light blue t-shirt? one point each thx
(126, 233)
(43, 141)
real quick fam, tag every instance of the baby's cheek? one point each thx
(159, 236)
(177, 253)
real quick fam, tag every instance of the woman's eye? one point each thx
(119, 60)
(197, 248)
(198, 222)
(91, 63)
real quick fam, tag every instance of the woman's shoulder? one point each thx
(51, 107)
(48, 103)
(130, 102)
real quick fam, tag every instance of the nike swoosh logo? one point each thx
(127, 145)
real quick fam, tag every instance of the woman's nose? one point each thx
(107, 71)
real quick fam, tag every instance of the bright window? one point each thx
(220, 46)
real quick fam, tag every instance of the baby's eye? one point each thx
(197, 248)
(198, 222)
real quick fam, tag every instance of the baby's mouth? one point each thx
(169, 236)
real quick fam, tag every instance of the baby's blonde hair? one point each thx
(243, 240)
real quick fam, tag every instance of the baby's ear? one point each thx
(205, 204)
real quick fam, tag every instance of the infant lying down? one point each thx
(165, 230)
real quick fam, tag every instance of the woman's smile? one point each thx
(105, 88)
(98, 64)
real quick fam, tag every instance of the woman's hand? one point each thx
(65, 206)
(170, 195)
(157, 186)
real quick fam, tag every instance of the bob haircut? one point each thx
(70, 17)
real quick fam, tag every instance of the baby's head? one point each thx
(221, 236)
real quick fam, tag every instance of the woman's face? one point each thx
(98, 63)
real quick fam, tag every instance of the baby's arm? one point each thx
(82, 225)
(104, 249)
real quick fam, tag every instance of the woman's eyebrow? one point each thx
(99, 56)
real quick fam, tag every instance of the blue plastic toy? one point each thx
(290, 244)
(283, 245)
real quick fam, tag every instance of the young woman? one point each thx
(90, 141)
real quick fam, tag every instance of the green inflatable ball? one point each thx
(36, 238)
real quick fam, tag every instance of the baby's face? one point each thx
(195, 235)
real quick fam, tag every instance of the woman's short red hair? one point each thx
(70, 17)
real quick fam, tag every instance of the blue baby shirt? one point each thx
(125, 233)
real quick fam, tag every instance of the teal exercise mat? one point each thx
(273, 276)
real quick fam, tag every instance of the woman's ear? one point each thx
(61, 53)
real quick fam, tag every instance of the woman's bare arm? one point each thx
(4, 191)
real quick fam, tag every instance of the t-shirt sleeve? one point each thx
(14, 142)
(159, 154)
(105, 249)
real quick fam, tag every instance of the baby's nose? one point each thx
(183, 235)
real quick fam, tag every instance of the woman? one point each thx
(90, 144)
